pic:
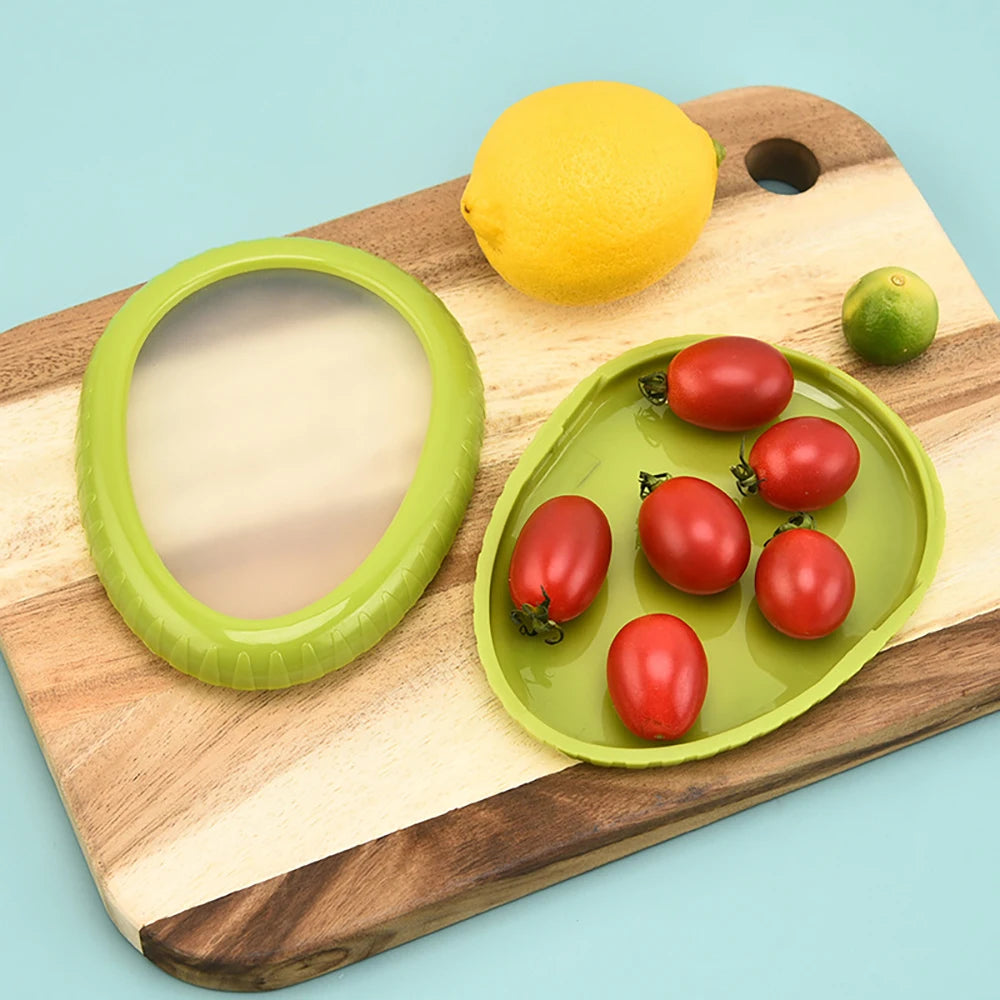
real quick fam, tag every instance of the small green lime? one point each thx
(890, 315)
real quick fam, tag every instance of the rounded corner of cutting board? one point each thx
(832, 131)
(786, 100)
(199, 967)
(201, 948)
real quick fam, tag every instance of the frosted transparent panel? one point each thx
(275, 421)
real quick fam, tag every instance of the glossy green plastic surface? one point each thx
(332, 631)
(890, 523)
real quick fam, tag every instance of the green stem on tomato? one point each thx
(799, 520)
(648, 481)
(533, 619)
(654, 387)
(747, 481)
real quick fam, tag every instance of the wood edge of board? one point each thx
(354, 904)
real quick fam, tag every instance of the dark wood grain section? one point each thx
(351, 905)
(424, 234)
(54, 350)
(962, 370)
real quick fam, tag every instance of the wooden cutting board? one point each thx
(252, 840)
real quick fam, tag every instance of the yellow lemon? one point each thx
(588, 192)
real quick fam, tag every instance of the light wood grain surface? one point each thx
(251, 840)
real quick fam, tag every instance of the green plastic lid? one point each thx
(248, 650)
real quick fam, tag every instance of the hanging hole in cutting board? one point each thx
(782, 166)
(275, 421)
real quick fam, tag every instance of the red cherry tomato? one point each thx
(560, 560)
(803, 463)
(804, 583)
(693, 535)
(657, 676)
(724, 383)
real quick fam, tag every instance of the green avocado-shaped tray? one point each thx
(890, 523)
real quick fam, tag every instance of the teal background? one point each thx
(133, 135)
